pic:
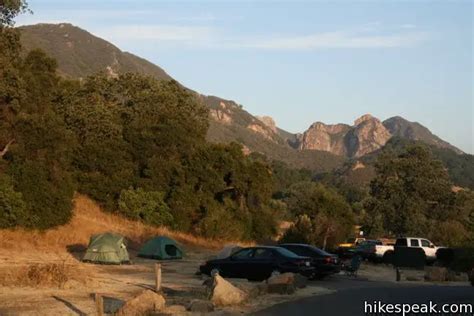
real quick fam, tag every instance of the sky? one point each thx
(302, 61)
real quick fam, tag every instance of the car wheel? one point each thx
(215, 271)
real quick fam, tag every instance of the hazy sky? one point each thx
(305, 61)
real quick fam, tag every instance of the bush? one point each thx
(147, 206)
(48, 194)
(303, 231)
(12, 206)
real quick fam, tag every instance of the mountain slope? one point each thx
(80, 54)
(400, 127)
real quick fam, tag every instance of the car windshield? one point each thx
(286, 252)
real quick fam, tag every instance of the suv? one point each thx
(428, 247)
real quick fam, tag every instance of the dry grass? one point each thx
(43, 275)
(89, 219)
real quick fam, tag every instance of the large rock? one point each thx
(225, 294)
(436, 274)
(145, 303)
(200, 306)
(285, 283)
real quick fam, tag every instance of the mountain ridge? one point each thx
(321, 147)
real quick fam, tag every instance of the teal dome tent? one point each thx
(161, 248)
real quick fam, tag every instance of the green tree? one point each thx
(410, 192)
(330, 213)
(146, 206)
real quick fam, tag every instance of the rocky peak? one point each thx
(324, 137)
(269, 122)
(365, 118)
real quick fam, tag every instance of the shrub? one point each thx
(303, 231)
(12, 206)
(147, 206)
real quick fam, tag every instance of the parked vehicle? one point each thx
(375, 250)
(351, 242)
(324, 263)
(344, 249)
(428, 247)
(259, 263)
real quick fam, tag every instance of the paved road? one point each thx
(350, 300)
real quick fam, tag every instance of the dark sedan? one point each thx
(324, 263)
(258, 263)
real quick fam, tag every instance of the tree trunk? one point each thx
(6, 148)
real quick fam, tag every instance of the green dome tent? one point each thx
(107, 248)
(161, 248)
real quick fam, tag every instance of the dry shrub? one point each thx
(39, 275)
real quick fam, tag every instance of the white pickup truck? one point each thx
(378, 251)
(428, 247)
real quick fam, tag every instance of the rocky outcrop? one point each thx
(366, 135)
(222, 114)
(269, 122)
(324, 137)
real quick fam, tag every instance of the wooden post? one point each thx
(99, 302)
(157, 277)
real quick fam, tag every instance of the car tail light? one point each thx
(330, 260)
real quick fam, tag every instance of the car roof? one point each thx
(294, 244)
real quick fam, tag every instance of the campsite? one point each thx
(235, 157)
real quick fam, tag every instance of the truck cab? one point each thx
(428, 247)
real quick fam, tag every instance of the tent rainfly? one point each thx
(161, 248)
(107, 248)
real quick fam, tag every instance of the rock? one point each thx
(174, 310)
(300, 281)
(142, 304)
(200, 306)
(281, 288)
(436, 274)
(366, 135)
(452, 276)
(283, 283)
(225, 294)
(320, 136)
(284, 278)
(269, 122)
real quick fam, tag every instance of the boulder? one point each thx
(200, 306)
(144, 303)
(285, 283)
(453, 276)
(223, 293)
(436, 274)
(284, 278)
(173, 310)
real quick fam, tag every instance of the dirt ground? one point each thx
(119, 283)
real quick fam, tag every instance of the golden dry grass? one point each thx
(89, 219)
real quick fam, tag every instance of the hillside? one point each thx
(360, 172)
(80, 54)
